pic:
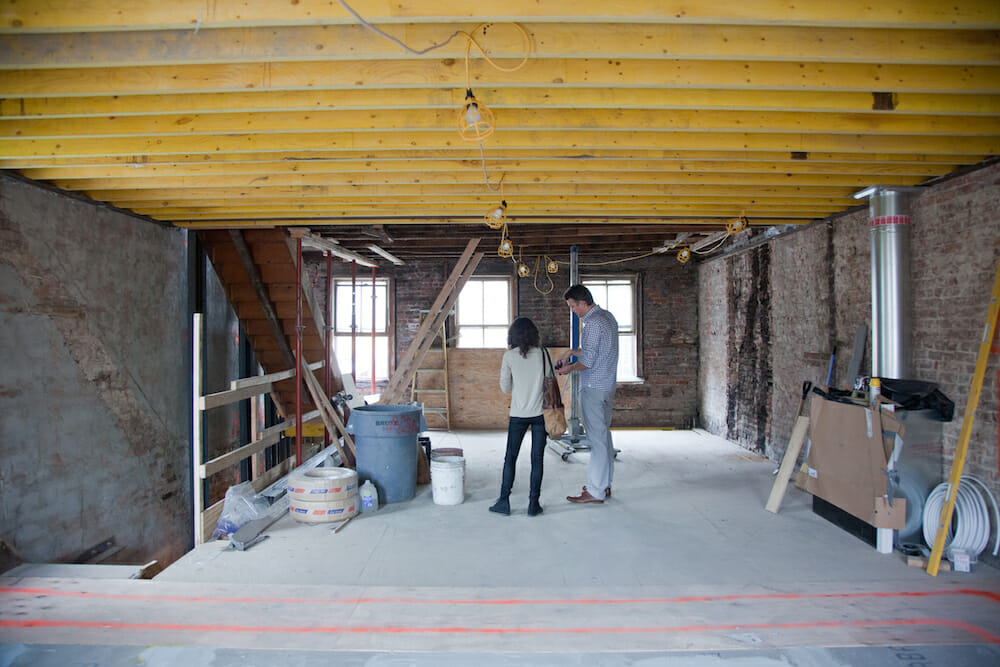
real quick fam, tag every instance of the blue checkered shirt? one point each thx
(599, 349)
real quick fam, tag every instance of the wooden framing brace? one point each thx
(432, 324)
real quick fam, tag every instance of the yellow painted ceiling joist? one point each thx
(388, 192)
(863, 77)
(349, 170)
(512, 180)
(712, 223)
(913, 144)
(469, 157)
(62, 15)
(477, 201)
(499, 99)
(522, 205)
(514, 120)
(576, 40)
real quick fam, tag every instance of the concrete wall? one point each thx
(94, 397)
(785, 305)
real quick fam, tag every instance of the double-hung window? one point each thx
(361, 308)
(618, 295)
(483, 313)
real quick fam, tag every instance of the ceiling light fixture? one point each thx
(683, 255)
(385, 253)
(475, 120)
(496, 217)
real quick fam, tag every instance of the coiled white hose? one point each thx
(970, 524)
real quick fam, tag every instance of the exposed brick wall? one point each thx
(713, 340)
(669, 315)
(818, 289)
(956, 243)
(749, 349)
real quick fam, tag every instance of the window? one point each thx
(483, 313)
(353, 312)
(618, 295)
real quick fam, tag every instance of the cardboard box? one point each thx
(851, 447)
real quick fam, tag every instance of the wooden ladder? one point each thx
(432, 382)
(433, 323)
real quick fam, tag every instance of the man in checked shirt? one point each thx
(597, 361)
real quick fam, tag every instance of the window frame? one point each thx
(342, 331)
(635, 283)
(509, 282)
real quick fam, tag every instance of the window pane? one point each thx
(362, 306)
(484, 313)
(363, 357)
(342, 310)
(495, 302)
(626, 357)
(620, 304)
(469, 336)
(470, 303)
(495, 337)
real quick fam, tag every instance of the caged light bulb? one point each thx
(472, 115)
(552, 266)
(523, 270)
(495, 217)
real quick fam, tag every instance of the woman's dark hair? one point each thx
(522, 334)
(579, 293)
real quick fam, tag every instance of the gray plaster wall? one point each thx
(94, 387)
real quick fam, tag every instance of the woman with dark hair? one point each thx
(521, 376)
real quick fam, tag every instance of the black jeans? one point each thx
(516, 429)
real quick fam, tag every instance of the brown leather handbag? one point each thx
(552, 405)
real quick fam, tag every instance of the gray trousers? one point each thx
(595, 410)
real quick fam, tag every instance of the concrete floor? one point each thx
(683, 566)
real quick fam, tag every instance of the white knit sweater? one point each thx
(522, 378)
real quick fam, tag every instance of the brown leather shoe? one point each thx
(584, 497)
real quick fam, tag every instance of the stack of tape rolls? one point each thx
(323, 495)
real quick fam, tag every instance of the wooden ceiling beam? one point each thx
(121, 197)
(513, 180)
(544, 74)
(578, 40)
(468, 157)
(514, 120)
(72, 175)
(98, 15)
(499, 99)
(976, 148)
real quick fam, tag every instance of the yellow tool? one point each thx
(963, 439)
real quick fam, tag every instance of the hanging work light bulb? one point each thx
(683, 255)
(506, 248)
(475, 120)
(496, 217)
(552, 266)
(523, 271)
(736, 226)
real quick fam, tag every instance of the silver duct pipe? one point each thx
(892, 301)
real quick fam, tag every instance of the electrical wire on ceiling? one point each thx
(392, 39)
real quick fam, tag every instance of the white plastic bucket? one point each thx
(448, 480)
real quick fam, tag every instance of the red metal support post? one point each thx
(299, 379)
(328, 338)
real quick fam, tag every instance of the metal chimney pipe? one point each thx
(892, 301)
